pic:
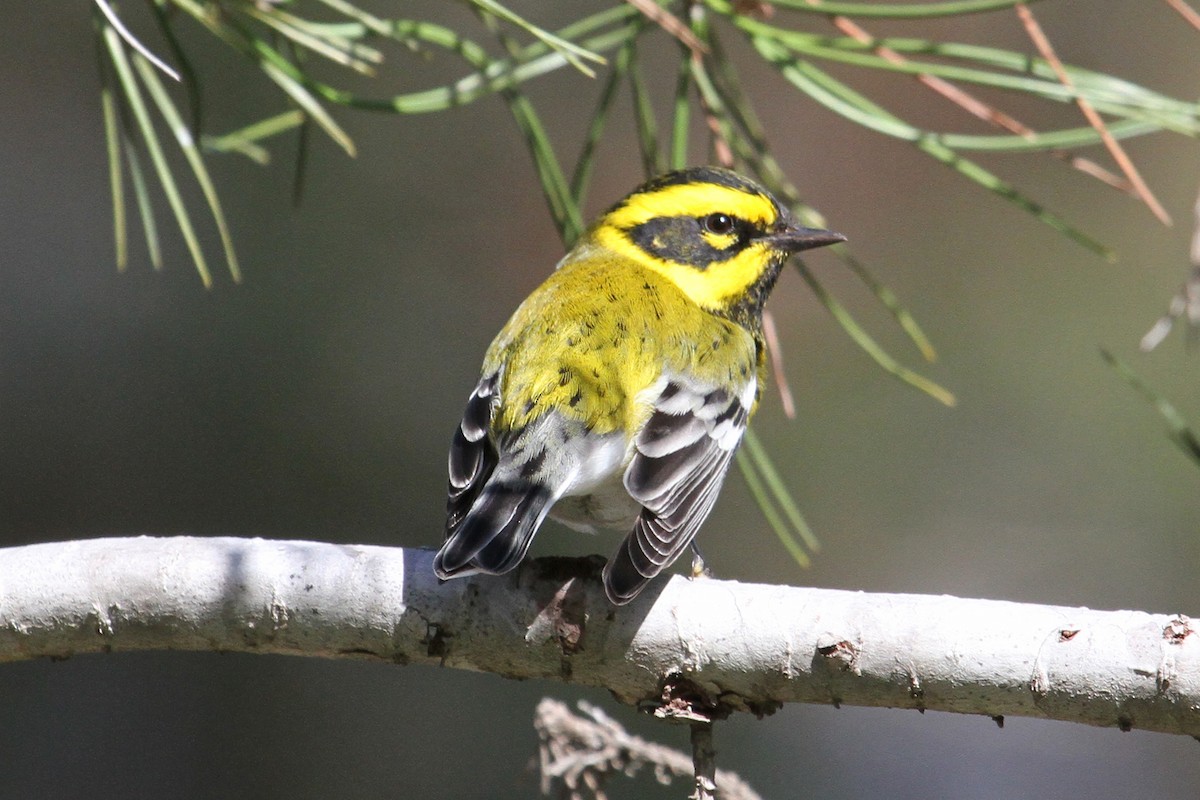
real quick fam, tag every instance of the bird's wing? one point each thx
(681, 457)
(473, 456)
(491, 513)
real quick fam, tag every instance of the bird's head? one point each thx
(721, 238)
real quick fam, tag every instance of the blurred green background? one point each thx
(317, 399)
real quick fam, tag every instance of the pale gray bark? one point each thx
(700, 647)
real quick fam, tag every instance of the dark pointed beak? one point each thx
(793, 238)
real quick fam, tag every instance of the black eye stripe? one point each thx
(681, 239)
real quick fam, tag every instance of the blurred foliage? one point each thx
(1178, 430)
(298, 43)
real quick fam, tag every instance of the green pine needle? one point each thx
(1178, 430)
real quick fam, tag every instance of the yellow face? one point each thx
(710, 232)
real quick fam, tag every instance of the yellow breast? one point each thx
(599, 333)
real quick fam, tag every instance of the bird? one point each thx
(617, 394)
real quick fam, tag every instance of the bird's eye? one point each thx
(720, 224)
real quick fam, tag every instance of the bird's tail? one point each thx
(493, 536)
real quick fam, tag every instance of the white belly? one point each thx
(596, 496)
(607, 505)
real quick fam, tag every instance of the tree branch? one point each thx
(693, 648)
(581, 751)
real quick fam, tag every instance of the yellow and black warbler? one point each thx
(617, 394)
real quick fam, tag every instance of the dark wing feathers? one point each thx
(680, 459)
(666, 433)
(682, 455)
(509, 544)
(472, 454)
(495, 535)
(650, 478)
(489, 523)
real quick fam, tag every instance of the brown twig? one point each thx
(704, 761)
(1042, 43)
(578, 752)
(777, 370)
(669, 23)
(974, 106)
(1186, 11)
